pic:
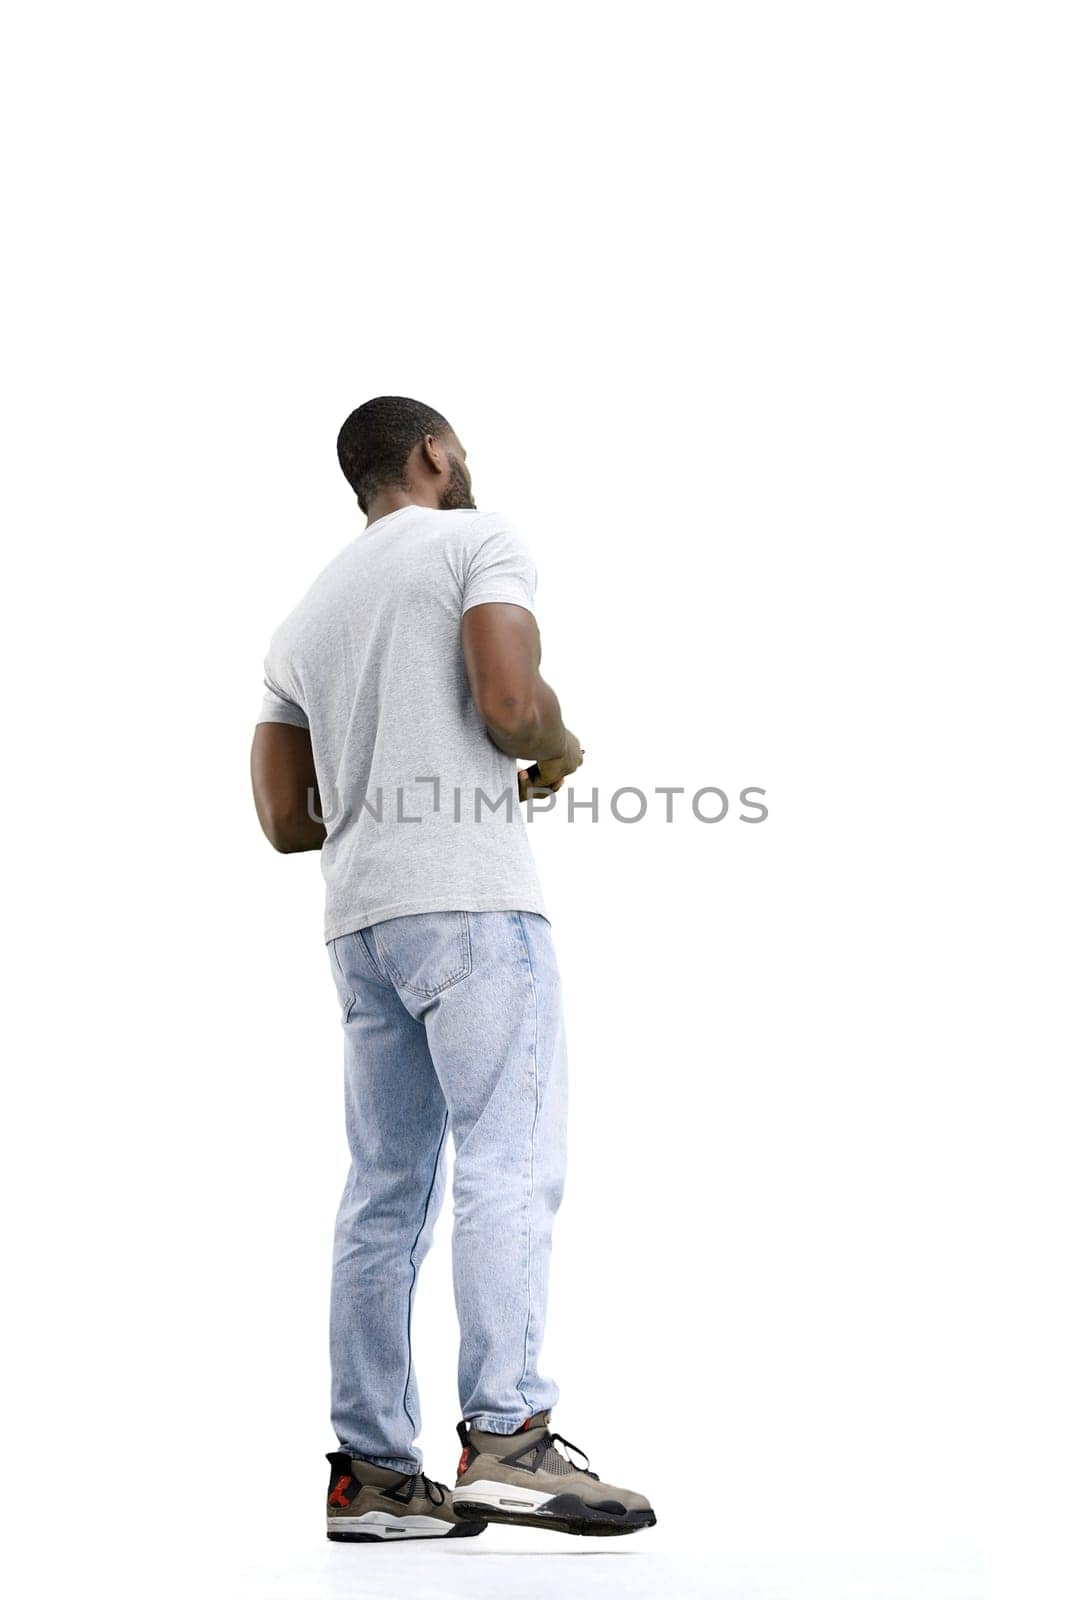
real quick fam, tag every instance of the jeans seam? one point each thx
(411, 1258)
(529, 1200)
(346, 1003)
(366, 943)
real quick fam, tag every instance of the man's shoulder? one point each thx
(478, 524)
(480, 527)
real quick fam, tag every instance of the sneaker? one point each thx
(521, 1477)
(366, 1504)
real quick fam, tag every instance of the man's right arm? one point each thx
(502, 649)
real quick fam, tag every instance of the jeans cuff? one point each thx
(487, 1423)
(387, 1463)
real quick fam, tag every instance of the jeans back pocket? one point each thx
(426, 952)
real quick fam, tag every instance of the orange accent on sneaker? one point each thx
(337, 1494)
(463, 1461)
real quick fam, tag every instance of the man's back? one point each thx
(371, 662)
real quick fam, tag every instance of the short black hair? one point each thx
(375, 441)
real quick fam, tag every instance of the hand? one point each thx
(530, 778)
(552, 773)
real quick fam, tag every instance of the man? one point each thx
(399, 694)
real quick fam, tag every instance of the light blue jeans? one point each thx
(452, 1023)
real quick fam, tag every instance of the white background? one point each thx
(752, 318)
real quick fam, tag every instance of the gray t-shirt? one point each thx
(421, 808)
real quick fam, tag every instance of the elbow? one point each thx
(282, 843)
(279, 831)
(277, 839)
(513, 720)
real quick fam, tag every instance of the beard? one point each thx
(456, 496)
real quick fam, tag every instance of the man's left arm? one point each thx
(285, 787)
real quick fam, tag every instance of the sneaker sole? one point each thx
(378, 1528)
(562, 1513)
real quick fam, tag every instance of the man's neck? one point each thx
(396, 500)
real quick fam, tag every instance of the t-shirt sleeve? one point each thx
(277, 707)
(501, 569)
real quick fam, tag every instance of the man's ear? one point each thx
(434, 455)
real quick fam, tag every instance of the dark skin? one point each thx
(502, 650)
(283, 777)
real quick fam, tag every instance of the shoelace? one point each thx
(432, 1491)
(548, 1440)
